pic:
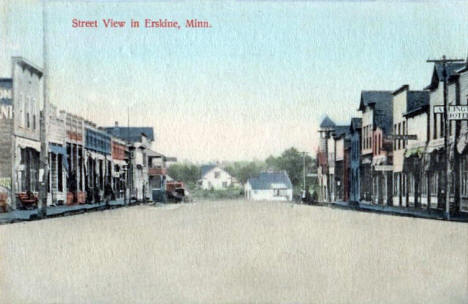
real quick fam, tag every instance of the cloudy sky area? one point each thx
(257, 82)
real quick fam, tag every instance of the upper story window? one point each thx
(404, 133)
(399, 133)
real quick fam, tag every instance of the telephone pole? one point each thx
(447, 126)
(44, 154)
(304, 171)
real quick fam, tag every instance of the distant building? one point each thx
(435, 151)
(58, 165)
(342, 163)
(139, 141)
(214, 177)
(324, 174)
(269, 186)
(130, 134)
(376, 109)
(138, 169)
(355, 133)
(410, 117)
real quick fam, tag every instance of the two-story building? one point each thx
(6, 131)
(435, 148)
(410, 119)
(355, 159)
(376, 109)
(341, 138)
(458, 94)
(214, 177)
(327, 127)
(75, 158)
(58, 166)
(119, 166)
(27, 103)
(98, 161)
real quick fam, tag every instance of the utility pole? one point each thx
(129, 165)
(304, 171)
(447, 126)
(44, 154)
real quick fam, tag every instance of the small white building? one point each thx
(269, 186)
(213, 177)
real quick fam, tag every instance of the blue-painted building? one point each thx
(97, 141)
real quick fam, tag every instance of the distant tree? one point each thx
(184, 172)
(243, 170)
(291, 160)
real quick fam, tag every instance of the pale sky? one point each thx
(256, 83)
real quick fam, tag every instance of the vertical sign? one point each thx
(6, 129)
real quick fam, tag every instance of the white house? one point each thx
(213, 177)
(269, 186)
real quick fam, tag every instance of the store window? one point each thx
(464, 173)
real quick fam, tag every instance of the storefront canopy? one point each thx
(57, 149)
(414, 152)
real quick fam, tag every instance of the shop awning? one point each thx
(366, 161)
(414, 152)
(379, 160)
(28, 143)
(119, 162)
(56, 149)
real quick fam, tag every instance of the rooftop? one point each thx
(266, 180)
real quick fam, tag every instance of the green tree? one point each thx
(292, 161)
(243, 170)
(185, 172)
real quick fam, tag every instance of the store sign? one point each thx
(439, 109)
(403, 137)
(383, 168)
(458, 113)
(454, 113)
(6, 105)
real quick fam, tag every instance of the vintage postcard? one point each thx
(234, 151)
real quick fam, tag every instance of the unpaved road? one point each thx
(234, 252)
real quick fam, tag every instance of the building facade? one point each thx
(327, 127)
(214, 178)
(58, 166)
(376, 110)
(355, 159)
(269, 186)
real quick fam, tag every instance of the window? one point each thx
(411, 184)
(28, 124)
(435, 126)
(399, 133)
(59, 172)
(464, 183)
(442, 127)
(423, 184)
(434, 184)
(217, 174)
(395, 184)
(34, 121)
(225, 185)
(404, 133)
(378, 144)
